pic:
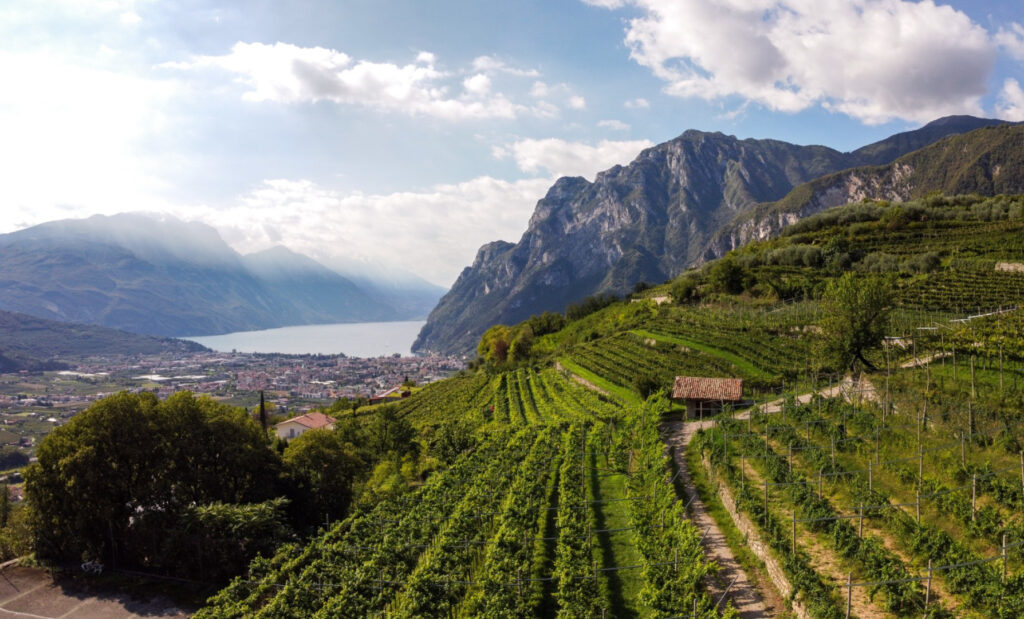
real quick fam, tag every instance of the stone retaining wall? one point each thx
(759, 547)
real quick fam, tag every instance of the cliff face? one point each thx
(987, 161)
(642, 222)
(650, 220)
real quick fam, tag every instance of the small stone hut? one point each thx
(706, 395)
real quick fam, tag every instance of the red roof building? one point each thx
(290, 428)
(706, 395)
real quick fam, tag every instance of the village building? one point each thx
(706, 396)
(296, 426)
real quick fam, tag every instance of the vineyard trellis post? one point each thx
(974, 497)
(860, 525)
(928, 590)
(793, 551)
(871, 477)
(849, 593)
(766, 502)
(1003, 580)
(917, 502)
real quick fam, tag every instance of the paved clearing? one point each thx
(30, 593)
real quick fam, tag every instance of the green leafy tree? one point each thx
(726, 276)
(494, 344)
(856, 318)
(522, 344)
(116, 482)
(325, 467)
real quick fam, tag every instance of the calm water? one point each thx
(358, 339)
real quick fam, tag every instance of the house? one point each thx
(391, 395)
(706, 395)
(296, 426)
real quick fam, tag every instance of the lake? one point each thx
(355, 339)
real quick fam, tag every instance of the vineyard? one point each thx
(562, 508)
(909, 505)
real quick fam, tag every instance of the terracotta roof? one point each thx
(310, 420)
(697, 388)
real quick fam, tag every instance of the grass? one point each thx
(618, 391)
(740, 363)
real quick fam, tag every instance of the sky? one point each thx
(407, 133)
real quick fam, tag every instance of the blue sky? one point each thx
(410, 132)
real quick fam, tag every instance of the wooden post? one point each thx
(766, 502)
(918, 502)
(920, 465)
(871, 477)
(791, 459)
(928, 591)
(974, 496)
(794, 531)
(819, 484)
(849, 593)
(1004, 558)
(833, 441)
(954, 363)
(970, 421)
(675, 559)
(860, 526)
(974, 391)
(963, 452)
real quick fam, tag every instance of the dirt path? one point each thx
(744, 595)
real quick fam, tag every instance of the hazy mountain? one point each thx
(317, 294)
(161, 276)
(30, 343)
(412, 296)
(647, 221)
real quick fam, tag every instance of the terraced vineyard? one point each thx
(921, 511)
(562, 508)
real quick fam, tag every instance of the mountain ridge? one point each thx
(646, 221)
(158, 275)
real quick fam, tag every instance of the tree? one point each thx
(522, 343)
(726, 276)
(325, 467)
(117, 481)
(494, 344)
(856, 318)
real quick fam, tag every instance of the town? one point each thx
(31, 403)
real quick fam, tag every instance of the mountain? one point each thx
(647, 221)
(30, 343)
(160, 276)
(412, 296)
(986, 161)
(317, 294)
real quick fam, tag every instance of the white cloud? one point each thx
(607, 4)
(638, 103)
(1010, 105)
(490, 64)
(563, 158)
(287, 73)
(577, 102)
(874, 60)
(434, 232)
(478, 84)
(1012, 40)
(613, 124)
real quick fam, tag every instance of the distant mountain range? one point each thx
(158, 275)
(693, 198)
(30, 343)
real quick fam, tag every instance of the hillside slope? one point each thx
(30, 343)
(987, 161)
